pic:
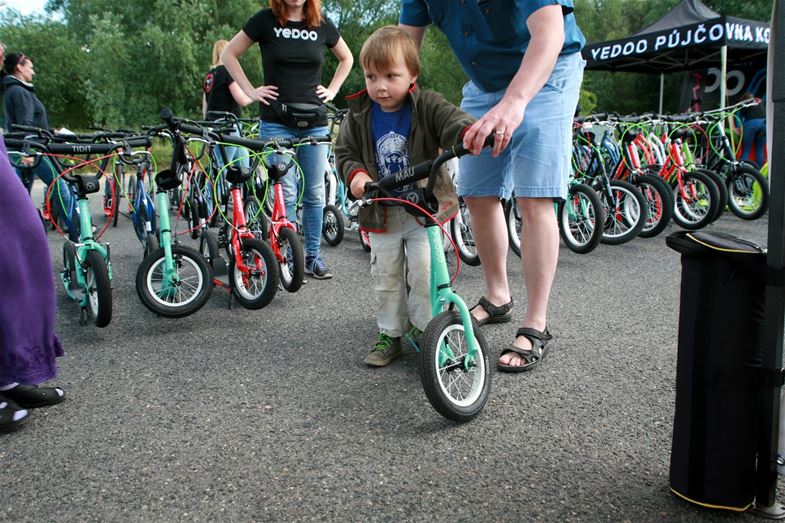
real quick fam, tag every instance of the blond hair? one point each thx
(385, 45)
(218, 48)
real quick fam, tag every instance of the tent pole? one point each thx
(662, 88)
(766, 487)
(723, 73)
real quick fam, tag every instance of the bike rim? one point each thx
(251, 286)
(190, 283)
(462, 388)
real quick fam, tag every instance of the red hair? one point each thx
(312, 8)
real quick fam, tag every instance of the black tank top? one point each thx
(216, 90)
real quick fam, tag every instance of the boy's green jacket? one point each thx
(436, 124)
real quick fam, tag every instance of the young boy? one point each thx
(392, 124)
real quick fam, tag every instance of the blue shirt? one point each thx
(390, 133)
(489, 37)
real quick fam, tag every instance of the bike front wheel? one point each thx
(695, 202)
(99, 289)
(291, 262)
(179, 294)
(457, 393)
(748, 192)
(626, 213)
(333, 227)
(255, 288)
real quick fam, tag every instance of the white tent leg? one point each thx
(723, 73)
(662, 88)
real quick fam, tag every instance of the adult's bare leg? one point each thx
(490, 236)
(539, 256)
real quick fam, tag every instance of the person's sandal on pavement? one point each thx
(384, 351)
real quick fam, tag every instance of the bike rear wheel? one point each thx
(581, 218)
(178, 296)
(659, 201)
(257, 222)
(291, 264)
(456, 393)
(257, 288)
(748, 192)
(99, 289)
(463, 236)
(695, 204)
(625, 210)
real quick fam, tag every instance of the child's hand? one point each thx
(358, 184)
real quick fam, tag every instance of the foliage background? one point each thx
(116, 64)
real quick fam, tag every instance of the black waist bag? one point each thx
(300, 115)
(718, 372)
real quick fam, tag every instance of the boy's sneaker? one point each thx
(385, 350)
(315, 267)
(413, 336)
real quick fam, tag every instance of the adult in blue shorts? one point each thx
(523, 61)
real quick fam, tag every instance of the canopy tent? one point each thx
(690, 36)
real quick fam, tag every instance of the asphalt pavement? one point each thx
(271, 415)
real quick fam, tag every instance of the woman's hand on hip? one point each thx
(264, 93)
(501, 121)
(325, 94)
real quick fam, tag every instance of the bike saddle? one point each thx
(167, 180)
(237, 174)
(277, 165)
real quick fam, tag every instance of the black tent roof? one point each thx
(688, 37)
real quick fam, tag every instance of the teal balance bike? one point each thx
(454, 365)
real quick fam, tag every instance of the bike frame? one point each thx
(86, 243)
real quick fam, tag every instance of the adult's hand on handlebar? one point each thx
(501, 121)
(358, 184)
(264, 93)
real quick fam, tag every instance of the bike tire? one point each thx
(659, 201)
(463, 236)
(194, 216)
(257, 222)
(513, 220)
(365, 240)
(99, 288)
(291, 265)
(208, 247)
(68, 274)
(333, 227)
(625, 219)
(722, 190)
(151, 244)
(447, 330)
(581, 218)
(748, 192)
(697, 210)
(258, 290)
(131, 192)
(190, 293)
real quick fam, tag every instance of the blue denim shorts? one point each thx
(536, 163)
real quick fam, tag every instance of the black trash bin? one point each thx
(718, 371)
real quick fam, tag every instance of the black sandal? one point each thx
(10, 415)
(532, 357)
(496, 313)
(31, 396)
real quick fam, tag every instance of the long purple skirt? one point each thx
(28, 344)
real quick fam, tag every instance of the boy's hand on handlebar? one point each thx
(27, 161)
(358, 184)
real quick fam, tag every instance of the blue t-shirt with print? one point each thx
(489, 37)
(390, 133)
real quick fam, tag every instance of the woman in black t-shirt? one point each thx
(292, 35)
(222, 94)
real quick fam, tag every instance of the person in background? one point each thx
(28, 344)
(292, 36)
(753, 130)
(22, 106)
(221, 94)
(525, 69)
